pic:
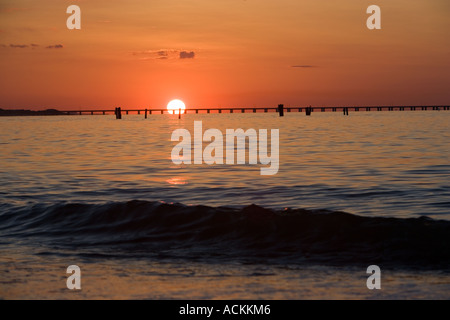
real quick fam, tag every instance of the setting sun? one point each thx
(175, 106)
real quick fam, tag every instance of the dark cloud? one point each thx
(304, 66)
(34, 45)
(187, 55)
(56, 46)
(18, 45)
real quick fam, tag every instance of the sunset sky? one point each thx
(223, 53)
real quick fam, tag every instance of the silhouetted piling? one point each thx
(118, 113)
(281, 110)
(145, 113)
(308, 110)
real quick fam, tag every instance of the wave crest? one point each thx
(251, 233)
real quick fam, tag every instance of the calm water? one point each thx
(87, 190)
(373, 164)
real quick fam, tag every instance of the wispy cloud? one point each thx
(12, 9)
(56, 46)
(164, 54)
(21, 46)
(32, 46)
(304, 66)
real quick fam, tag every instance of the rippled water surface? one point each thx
(374, 164)
(104, 194)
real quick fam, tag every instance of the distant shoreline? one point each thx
(23, 112)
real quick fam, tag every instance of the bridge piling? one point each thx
(281, 110)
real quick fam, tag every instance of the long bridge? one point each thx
(281, 109)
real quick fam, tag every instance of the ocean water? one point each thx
(372, 188)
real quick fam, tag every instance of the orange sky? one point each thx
(127, 53)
